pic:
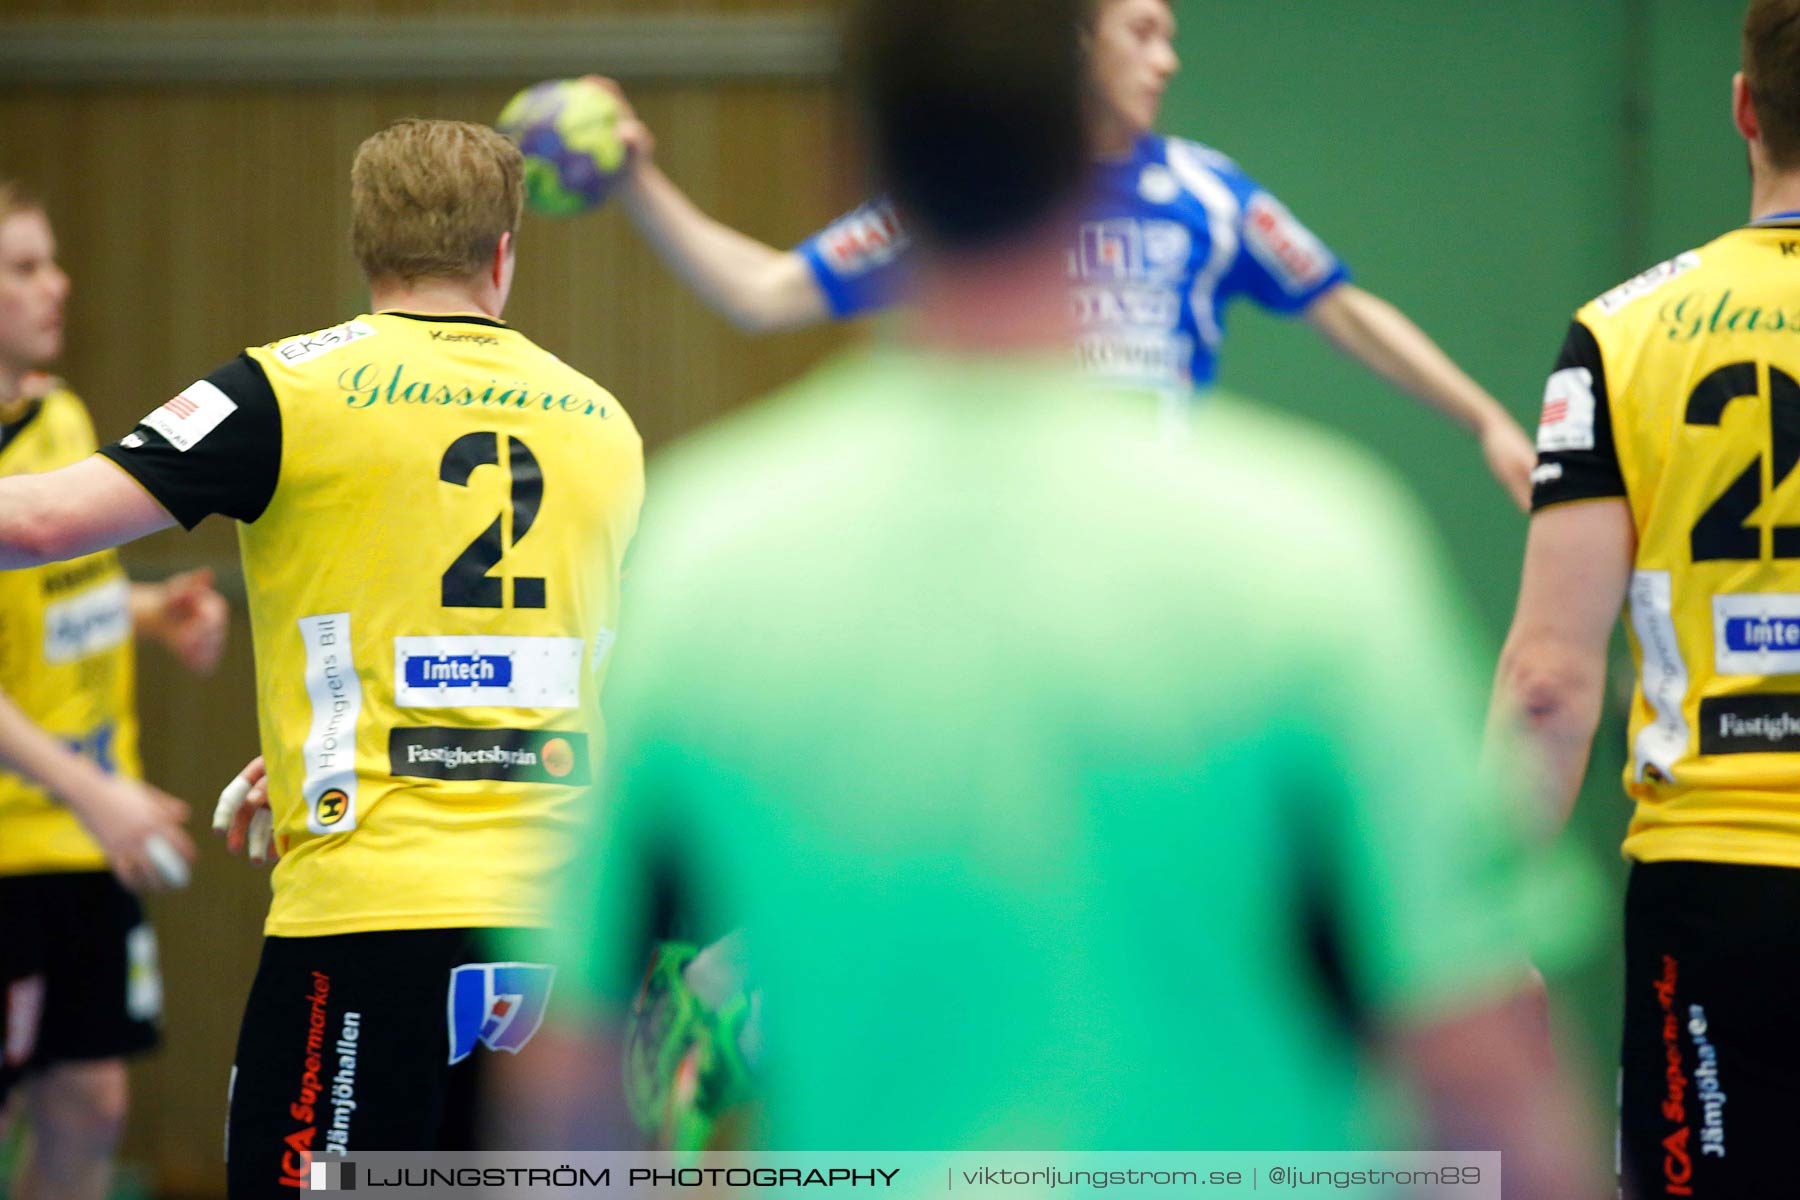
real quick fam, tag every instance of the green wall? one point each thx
(1696, 182)
(1465, 161)
(1488, 168)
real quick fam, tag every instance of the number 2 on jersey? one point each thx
(1722, 532)
(468, 584)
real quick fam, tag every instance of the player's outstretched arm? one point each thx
(138, 827)
(1385, 340)
(753, 285)
(1481, 1092)
(186, 614)
(1551, 680)
(89, 506)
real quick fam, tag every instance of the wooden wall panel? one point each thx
(392, 8)
(197, 221)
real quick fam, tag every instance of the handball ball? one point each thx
(568, 130)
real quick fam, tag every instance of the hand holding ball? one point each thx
(568, 130)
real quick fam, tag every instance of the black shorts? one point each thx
(78, 973)
(1712, 1031)
(370, 1041)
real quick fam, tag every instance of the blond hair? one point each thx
(431, 199)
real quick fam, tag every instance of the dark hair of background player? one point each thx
(973, 110)
(15, 199)
(1772, 69)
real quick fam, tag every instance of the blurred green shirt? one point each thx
(1045, 764)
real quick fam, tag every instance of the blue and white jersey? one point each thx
(1173, 235)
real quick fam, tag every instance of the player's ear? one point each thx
(1743, 109)
(500, 270)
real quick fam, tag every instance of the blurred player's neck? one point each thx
(12, 393)
(1773, 192)
(1111, 136)
(437, 297)
(1007, 299)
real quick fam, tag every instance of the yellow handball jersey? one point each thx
(1680, 391)
(66, 655)
(434, 513)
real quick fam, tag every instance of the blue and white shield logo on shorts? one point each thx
(498, 1005)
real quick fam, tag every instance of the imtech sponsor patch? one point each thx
(1756, 634)
(511, 755)
(487, 672)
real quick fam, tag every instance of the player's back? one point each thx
(432, 589)
(1693, 387)
(1022, 754)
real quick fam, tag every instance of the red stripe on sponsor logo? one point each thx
(182, 407)
(1555, 411)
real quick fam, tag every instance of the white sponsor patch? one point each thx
(1156, 308)
(487, 672)
(1756, 634)
(1546, 473)
(1665, 679)
(1290, 251)
(1567, 421)
(867, 238)
(88, 622)
(24, 1011)
(1167, 247)
(1640, 286)
(306, 347)
(189, 417)
(1136, 358)
(143, 977)
(330, 750)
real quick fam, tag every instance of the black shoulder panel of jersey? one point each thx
(231, 471)
(1589, 473)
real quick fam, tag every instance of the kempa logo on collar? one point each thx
(478, 339)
